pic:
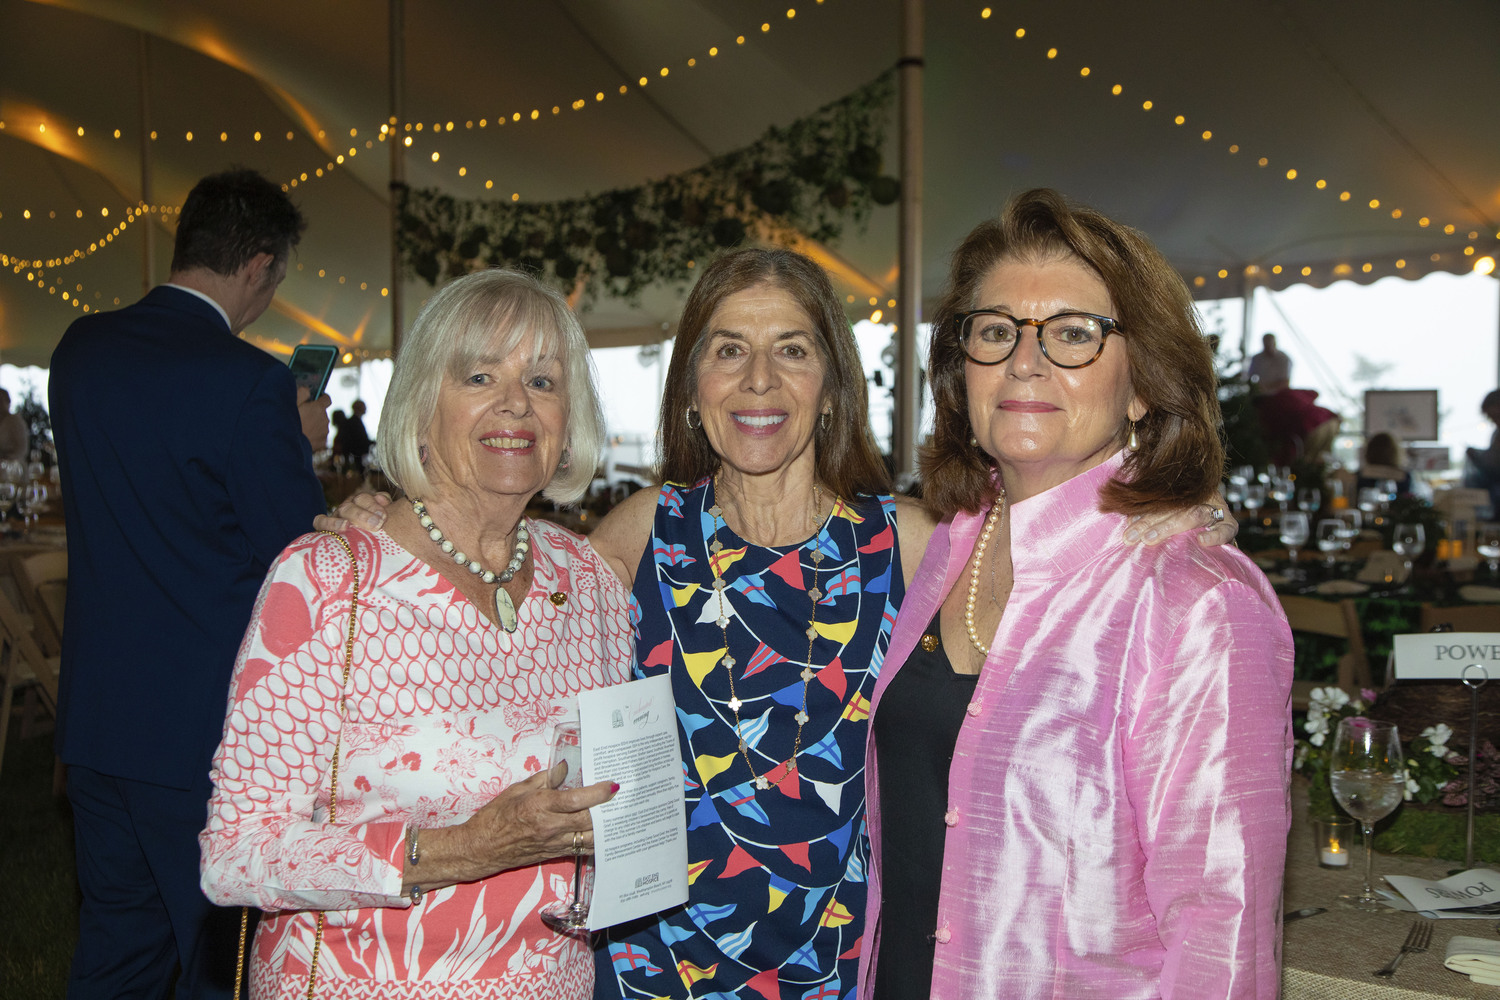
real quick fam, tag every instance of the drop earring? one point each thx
(1133, 440)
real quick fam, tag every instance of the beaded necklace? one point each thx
(763, 781)
(997, 517)
(505, 608)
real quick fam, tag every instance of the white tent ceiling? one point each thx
(1389, 101)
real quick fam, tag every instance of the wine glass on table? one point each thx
(1487, 544)
(8, 496)
(1409, 540)
(1368, 776)
(1330, 537)
(570, 916)
(1294, 532)
(1309, 499)
(1282, 490)
(1255, 499)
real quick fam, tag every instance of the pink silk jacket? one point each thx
(1118, 799)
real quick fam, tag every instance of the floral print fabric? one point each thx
(443, 711)
(777, 898)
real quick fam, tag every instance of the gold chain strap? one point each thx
(333, 792)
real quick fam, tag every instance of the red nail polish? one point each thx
(614, 786)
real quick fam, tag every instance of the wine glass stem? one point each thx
(578, 881)
(1369, 835)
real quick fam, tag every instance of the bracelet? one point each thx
(412, 854)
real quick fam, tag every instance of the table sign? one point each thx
(1472, 894)
(1446, 655)
(640, 836)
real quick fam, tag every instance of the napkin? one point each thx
(1341, 587)
(1477, 958)
(1383, 567)
(1479, 594)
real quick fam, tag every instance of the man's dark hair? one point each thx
(228, 218)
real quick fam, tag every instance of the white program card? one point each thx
(640, 836)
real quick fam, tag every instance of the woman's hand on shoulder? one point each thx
(1213, 522)
(363, 510)
(621, 538)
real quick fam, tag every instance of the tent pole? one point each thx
(909, 293)
(148, 230)
(1245, 335)
(398, 160)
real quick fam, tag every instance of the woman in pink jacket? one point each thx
(1082, 746)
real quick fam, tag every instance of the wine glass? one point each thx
(1282, 490)
(1409, 540)
(1255, 499)
(1234, 493)
(1368, 776)
(8, 494)
(1309, 499)
(1487, 544)
(1330, 536)
(570, 916)
(1370, 499)
(1294, 531)
(36, 497)
(1354, 520)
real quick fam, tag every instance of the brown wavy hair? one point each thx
(1181, 456)
(847, 459)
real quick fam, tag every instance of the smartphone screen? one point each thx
(311, 365)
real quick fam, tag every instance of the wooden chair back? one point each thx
(43, 582)
(1463, 618)
(22, 662)
(1339, 620)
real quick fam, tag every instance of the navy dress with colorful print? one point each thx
(776, 902)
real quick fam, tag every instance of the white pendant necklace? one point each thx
(789, 767)
(505, 608)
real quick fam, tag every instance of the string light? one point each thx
(1291, 175)
(534, 114)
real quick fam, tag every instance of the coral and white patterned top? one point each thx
(443, 711)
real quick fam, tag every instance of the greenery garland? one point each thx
(812, 178)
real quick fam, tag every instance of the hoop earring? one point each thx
(826, 418)
(1133, 440)
(688, 418)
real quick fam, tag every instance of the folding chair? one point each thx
(22, 663)
(1339, 620)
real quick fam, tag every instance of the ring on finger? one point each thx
(577, 841)
(1215, 514)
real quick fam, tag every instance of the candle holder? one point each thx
(1332, 838)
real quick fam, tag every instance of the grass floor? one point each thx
(39, 924)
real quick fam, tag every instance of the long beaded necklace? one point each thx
(997, 517)
(505, 608)
(763, 781)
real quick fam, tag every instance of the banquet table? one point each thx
(1331, 956)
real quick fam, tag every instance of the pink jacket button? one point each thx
(943, 935)
(974, 707)
(951, 817)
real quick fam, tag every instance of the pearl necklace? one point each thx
(997, 516)
(763, 781)
(505, 608)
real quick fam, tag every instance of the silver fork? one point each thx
(1417, 940)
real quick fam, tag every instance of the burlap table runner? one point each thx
(1331, 956)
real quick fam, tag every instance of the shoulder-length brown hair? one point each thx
(1181, 455)
(847, 459)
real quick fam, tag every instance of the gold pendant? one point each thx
(505, 610)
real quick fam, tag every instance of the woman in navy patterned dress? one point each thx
(775, 493)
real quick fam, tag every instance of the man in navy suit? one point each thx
(185, 471)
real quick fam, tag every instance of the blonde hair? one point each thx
(466, 320)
